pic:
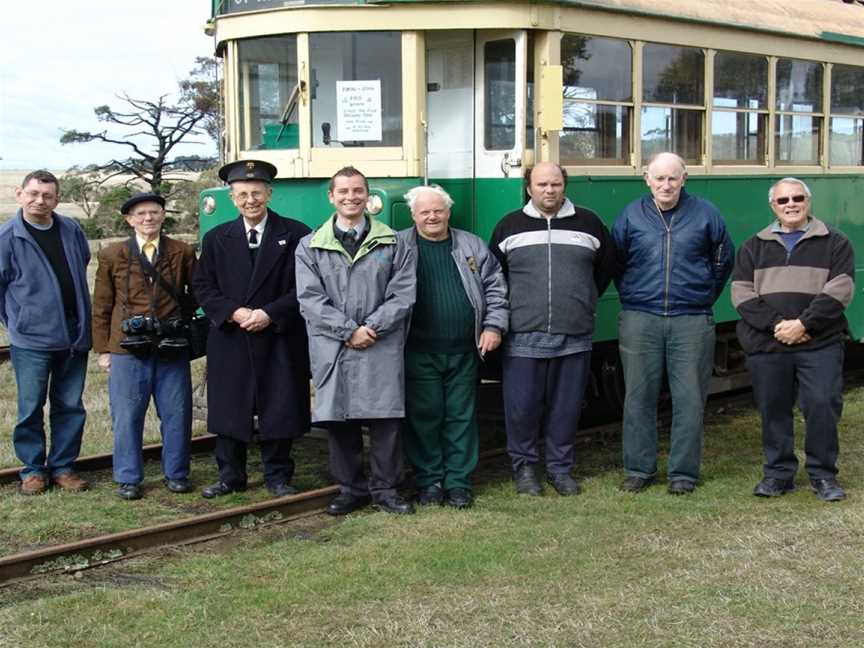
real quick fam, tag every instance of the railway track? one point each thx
(97, 551)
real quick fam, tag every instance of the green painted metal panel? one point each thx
(480, 204)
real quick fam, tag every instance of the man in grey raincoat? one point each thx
(356, 285)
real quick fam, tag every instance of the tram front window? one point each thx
(598, 99)
(675, 76)
(268, 74)
(356, 91)
(847, 116)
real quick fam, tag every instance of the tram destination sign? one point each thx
(238, 6)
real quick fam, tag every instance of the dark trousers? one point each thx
(275, 455)
(816, 378)
(385, 457)
(544, 396)
(441, 437)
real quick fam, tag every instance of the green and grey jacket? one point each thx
(813, 283)
(337, 294)
(481, 277)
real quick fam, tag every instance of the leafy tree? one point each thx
(202, 90)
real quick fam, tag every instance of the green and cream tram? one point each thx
(467, 94)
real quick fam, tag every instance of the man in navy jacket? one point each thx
(675, 257)
(45, 305)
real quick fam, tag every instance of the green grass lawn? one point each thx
(718, 568)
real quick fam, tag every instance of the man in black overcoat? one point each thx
(257, 351)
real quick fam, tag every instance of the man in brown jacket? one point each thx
(140, 301)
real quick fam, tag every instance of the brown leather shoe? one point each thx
(32, 485)
(71, 482)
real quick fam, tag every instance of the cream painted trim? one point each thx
(708, 126)
(636, 119)
(547, 51)
(414, 99)
(771, 148)
(825, 134)
(324, 168)
(304, 108)
(719, 171)
(231, 99)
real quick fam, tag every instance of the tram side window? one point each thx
(739, 122)
(598, 100)
(799, 112)
(673, 101)
(356, 80)
(847, 116)
(268, 74)
(499, 132)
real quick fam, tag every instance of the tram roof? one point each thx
(832, 20)
(828, 20)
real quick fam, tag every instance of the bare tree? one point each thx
(149, 130)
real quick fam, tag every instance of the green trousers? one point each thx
(441, 438)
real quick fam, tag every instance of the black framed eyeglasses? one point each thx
(782, 200)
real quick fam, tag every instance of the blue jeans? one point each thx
(684, 345)
(58, 376)
(131, 383)
(816, 378)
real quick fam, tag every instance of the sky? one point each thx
(59, 59)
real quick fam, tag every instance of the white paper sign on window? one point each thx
(359, 111)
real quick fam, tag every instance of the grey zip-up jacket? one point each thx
(337, 294)
(481, 275)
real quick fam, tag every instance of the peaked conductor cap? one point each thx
(140, 198)
(248, 170)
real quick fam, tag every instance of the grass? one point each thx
(716, 569)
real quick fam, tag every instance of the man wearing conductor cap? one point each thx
(141, 305)
(257, 353)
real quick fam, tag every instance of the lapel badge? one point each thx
(282, 242)
(472, 264)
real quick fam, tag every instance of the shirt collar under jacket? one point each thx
(778, 229)
(258, 228)
(567, 209)
(358, 229)
(154, 242)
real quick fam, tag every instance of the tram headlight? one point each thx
(374, 204)
(209, 204)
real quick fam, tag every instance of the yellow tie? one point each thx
(149, 251)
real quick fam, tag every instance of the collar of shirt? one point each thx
(357, 229)
(778, 229)
(258, 228)
(141, 242)
(567, 209)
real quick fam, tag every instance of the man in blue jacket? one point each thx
(675, 257)
(45, 306)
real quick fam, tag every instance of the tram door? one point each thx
(476, 118)
(450, 119)
(501, 98)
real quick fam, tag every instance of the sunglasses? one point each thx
(785, 199)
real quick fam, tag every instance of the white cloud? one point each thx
(60, 59)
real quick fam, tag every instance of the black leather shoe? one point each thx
(527, 482)
(564, 484)
(394, 504)
(828, 490)
(345, 503)
(459, 498)
(129, 491)
(636, 484)
(219, 489)
(282, 489)
(431, 495)
(773, 487)
(681, 487)
(179, 485)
